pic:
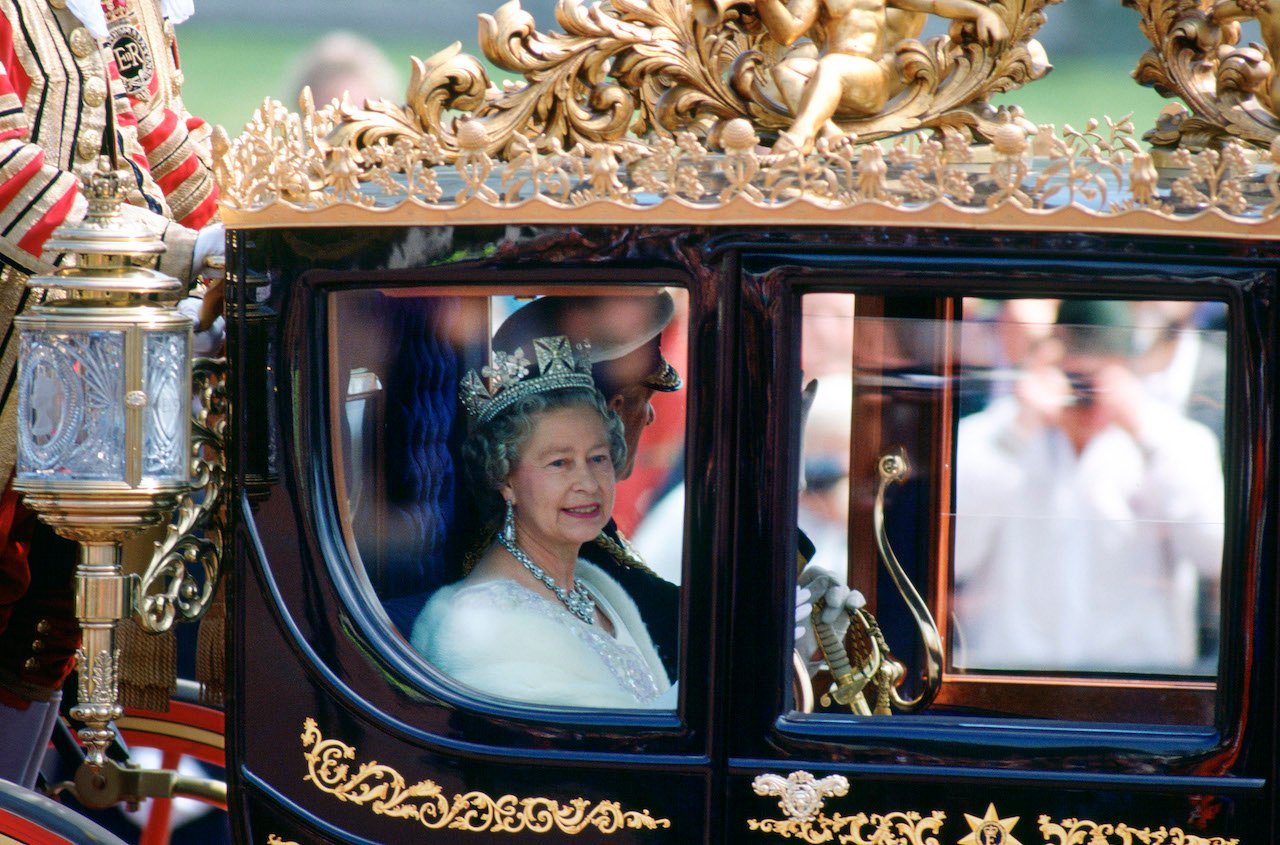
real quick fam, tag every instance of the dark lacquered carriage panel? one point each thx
(323, 684)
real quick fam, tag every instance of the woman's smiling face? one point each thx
(563, 483)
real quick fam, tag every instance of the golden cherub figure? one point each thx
(853, 71)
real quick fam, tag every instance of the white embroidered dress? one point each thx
(501, 638)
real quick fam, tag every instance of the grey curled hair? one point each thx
(493, 448)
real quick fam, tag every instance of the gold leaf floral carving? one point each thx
(387, 793)
(898, 828)
(650, 65)
(1075, 831)
(284, 163)
(1195, 57)
(801, 798)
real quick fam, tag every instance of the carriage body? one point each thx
(338, 731)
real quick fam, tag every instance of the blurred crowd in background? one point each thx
(236, 52)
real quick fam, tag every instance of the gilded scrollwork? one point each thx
(635, 66)
(1195, 56)
(801, 799)
(1100, 170)
(905, 828)
(387, 793)
(169, 590)
(1073, 831)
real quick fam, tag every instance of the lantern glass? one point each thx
(71, 413)
(166, 423)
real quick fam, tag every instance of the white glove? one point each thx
(211, 242)
(838, 597)
(208, 341)
(839, 601)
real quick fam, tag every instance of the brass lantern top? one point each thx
(114, 258)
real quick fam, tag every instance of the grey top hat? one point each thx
(624, 333)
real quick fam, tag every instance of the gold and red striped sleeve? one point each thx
(35, 195)
(171, 141)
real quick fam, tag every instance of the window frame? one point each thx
(788, 277)
(679, 731)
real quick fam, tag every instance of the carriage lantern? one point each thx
(103, 441)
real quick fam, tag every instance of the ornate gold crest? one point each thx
(801, 798)
(665, 114)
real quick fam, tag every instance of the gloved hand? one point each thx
(839, 598)
(211, 242)
(818, 583)
(208, 264)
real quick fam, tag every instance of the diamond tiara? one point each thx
(507, 380)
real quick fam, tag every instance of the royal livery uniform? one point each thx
(68, 71)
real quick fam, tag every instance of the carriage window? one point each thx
(1046, 536)
(448, 404)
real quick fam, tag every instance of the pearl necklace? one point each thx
(579, 601)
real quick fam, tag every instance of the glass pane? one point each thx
(1089, 490)
(71, 406)
(564, 611)
(166, 431)
(1062, 516)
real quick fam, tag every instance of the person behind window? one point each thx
(533, 621)
(1085, 510)
(624, 334)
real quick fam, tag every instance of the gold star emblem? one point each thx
(990, 829)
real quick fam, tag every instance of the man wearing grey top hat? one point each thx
(626, 360)
(628, 367)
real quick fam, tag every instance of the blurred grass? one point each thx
(1081, 87)
(230, 70)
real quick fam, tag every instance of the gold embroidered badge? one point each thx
(133, 58)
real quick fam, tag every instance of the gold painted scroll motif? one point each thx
(387, 793)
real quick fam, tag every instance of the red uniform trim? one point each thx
(34, 240)
(19, 82)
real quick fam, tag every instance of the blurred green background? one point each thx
(231, 65)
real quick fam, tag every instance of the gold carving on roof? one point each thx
(664, 112)
(386, 792)
(285, 163)
(1229, 90)
(801, 798)
(1073, 831)
(635, 66)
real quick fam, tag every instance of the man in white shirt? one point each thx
(1085, 512)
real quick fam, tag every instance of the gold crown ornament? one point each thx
(507, 380)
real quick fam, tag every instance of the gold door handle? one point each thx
(894, 468)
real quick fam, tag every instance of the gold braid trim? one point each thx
(622, 552)
(487, 535)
